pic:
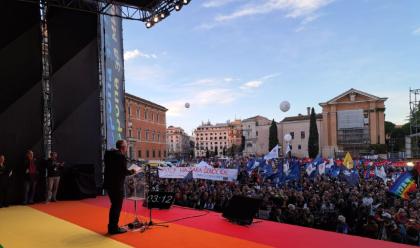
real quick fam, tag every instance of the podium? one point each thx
(135, 191)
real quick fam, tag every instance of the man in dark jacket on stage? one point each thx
(115, 173)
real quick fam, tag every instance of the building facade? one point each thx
(353, 121)
(177, 142)
(256, 133)
(217, 139)
(146, 128)
(298, 127)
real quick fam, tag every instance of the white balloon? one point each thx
(287, 137)
(284, 106)
(187, 105)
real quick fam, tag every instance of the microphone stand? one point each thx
(150, 224)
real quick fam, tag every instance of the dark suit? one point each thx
(115, 173)
(4, 183)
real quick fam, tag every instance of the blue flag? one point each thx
(266, 169)
(351, 177)
(294, 172)
(334, 171)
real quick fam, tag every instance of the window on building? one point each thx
(157, 119)
(147, 154)
(138, 113)
(147, 135)
(299, 147)
(302, 134)
(139, 133)
(158, 139)
(256, 133)
(160, 154)
(164, 153)
(129, 133)
(153, 136)
(153, 116)
(129, 110)
(131, 152)
(145, 114)
(292, 134)
(139, 153)
(153, 153)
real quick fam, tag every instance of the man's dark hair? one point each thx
(119, 144)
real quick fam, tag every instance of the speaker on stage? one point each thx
(241, 209)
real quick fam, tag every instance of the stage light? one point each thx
(156, 19)
(185, 2)
(164, 14)
(178, 6)
(149, 24)
(410, 164)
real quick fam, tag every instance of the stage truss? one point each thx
(126, 11)
(415, 122)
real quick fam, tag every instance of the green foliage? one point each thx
(313, 141)
(273, 139)
(378, 148)
(389, 128)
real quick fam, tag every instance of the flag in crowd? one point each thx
(403, 185)
(351, 177)
(348, 161)
(381, 173)
(274, 153)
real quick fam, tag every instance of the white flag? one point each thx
(286, 168)
(321, 168)
(330, 163)
(273, 154)
(311, 168)
(288, 149)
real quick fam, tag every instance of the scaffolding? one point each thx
(125, 9)
(414, 138)
(46, 81)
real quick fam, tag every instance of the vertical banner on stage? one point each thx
(113, 76)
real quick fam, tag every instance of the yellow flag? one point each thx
(348, 161)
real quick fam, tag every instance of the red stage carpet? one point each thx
(210, 230)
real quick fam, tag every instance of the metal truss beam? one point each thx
(127, 12)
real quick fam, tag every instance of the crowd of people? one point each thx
(30, 175)
(323, 202)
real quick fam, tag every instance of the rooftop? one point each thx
(301, 118)
(145, 102)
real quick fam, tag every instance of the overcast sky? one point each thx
(240, 58)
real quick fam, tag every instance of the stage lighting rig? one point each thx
(148, 11)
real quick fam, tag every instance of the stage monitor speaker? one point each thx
(241, 209)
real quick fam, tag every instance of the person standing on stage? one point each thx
(5, 174)
(31, 177)
(53, 171)
(114, 176)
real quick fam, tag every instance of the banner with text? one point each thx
(113, 76)
(214, 174)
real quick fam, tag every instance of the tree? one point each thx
(242, 143)
(389, 128)
(313, 141)
(273, 139)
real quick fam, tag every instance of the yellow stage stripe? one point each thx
(26, 227)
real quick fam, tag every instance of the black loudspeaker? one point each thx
(241, 209)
